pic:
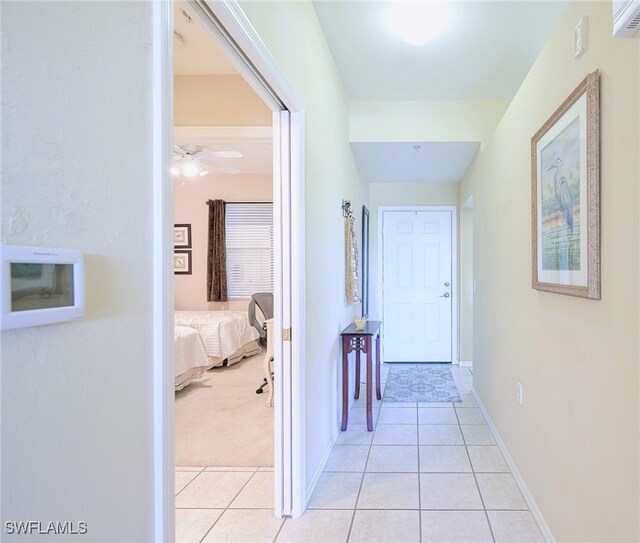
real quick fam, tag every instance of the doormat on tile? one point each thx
(424, 383)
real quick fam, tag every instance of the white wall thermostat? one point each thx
(40, 285)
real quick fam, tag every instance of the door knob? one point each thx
(445, 295)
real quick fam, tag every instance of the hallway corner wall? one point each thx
(575, 439)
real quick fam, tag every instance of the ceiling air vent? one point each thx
(626, 17)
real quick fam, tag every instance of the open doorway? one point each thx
(227, 27)
(223, 237)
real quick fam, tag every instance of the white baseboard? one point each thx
(465, 364)
(323, 462)
(533, 507)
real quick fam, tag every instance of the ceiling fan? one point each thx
(196, 160)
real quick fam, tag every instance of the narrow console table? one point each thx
(360, 341)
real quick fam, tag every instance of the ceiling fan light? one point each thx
(418, 22)
(175, 170)
(203, 173)
(190, 169)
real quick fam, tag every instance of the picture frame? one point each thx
(565, 196)
(365, 262)
(182, 262)
(182, 236)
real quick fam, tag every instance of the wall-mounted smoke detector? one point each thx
(626, 18)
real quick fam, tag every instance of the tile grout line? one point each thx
(230, 502)
(364, 470)
(275, 537)
(185, 486)
(475, 478)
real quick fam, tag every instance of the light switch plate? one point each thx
(580, 37)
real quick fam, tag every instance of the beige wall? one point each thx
(217, 100)
(293, 34)
(400, 194)
(575, 439)
(190, 208)
(424, 121)
(76, 399)
(213, 100)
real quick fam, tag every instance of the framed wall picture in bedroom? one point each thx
(182, 236)
(182, 262)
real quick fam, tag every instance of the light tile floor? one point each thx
(427, 473)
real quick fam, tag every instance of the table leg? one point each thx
(357, 392)
(345, 385)
(369, 384)
(378, 393)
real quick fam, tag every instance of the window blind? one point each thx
(249, 237)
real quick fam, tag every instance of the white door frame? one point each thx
(227, 23)
(454, 267)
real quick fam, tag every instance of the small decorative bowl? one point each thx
(360, 324)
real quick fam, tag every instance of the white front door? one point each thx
(416, 285)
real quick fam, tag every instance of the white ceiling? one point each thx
(485, 55)
(431, 162)
(253, 142)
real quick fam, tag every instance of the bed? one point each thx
(226, 336)
(191, 358)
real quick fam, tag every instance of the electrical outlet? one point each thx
(519, 392)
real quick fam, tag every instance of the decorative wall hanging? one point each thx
(182, 236)
(565, 183)
(182, 262)
(351, 254)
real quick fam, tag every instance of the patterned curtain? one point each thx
(217, 253)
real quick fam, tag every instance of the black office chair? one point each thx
(262, 301)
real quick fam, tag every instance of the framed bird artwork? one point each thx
(565, 199)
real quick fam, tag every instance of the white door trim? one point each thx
(163, 350)
(250, 56)
(454, 268)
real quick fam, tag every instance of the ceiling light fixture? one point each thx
(418, 22)
(188, 167)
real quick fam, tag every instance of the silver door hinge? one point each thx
(286, 334)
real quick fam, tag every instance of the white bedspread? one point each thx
(191, 358)
(223, 332)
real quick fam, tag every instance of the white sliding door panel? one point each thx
(417, 277)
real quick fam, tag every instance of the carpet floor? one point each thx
(221, 421)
